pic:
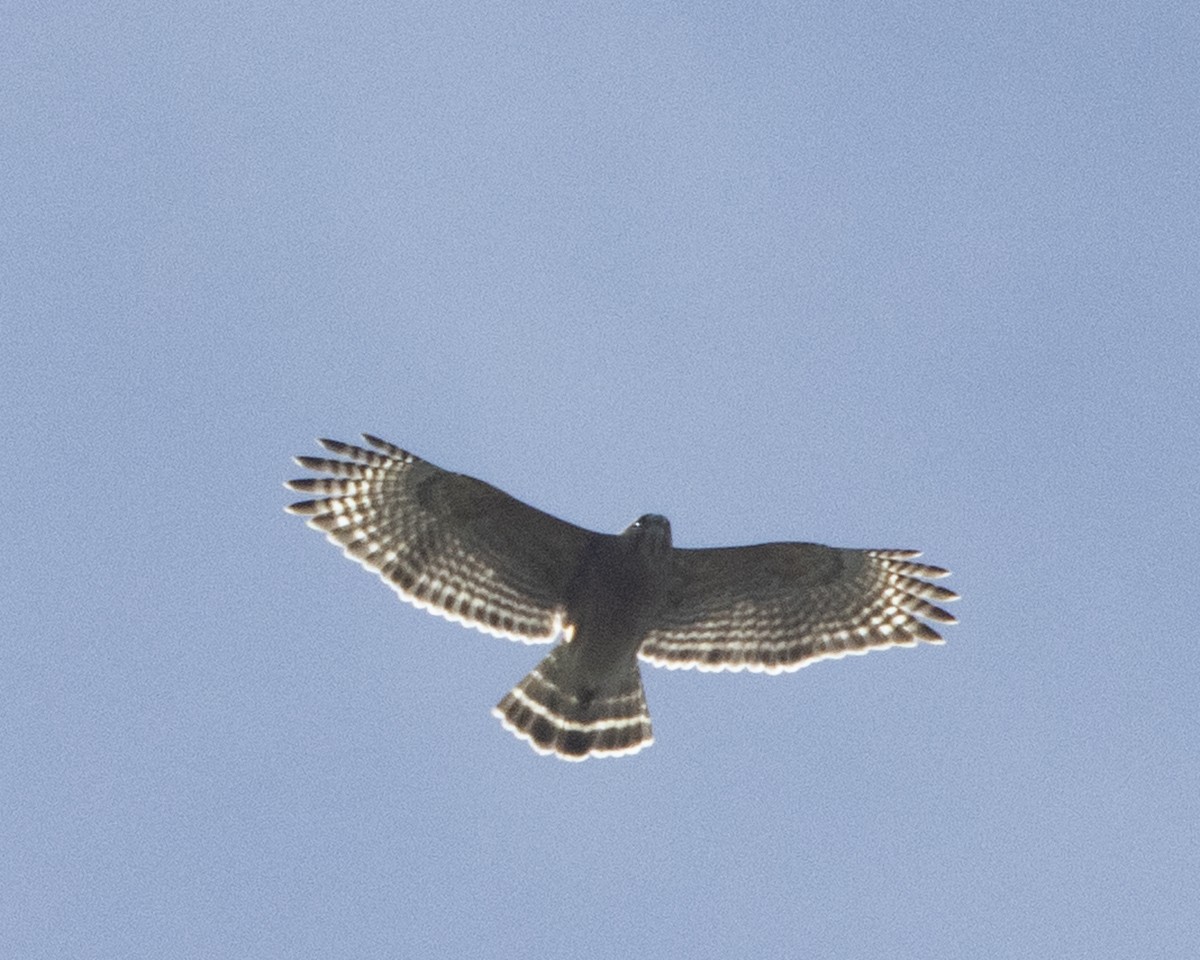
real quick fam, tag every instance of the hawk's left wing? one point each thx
(776, 606)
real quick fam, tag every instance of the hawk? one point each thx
(461, 548)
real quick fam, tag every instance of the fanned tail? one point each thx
(557, 714)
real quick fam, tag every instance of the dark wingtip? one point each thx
(388, 449)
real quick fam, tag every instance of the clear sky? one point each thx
(869, 274)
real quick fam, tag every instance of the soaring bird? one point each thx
(461, 548)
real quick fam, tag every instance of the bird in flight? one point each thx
(462, 549)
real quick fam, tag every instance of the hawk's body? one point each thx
(586, 697)
(461, 548)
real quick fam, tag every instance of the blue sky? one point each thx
(867, 274)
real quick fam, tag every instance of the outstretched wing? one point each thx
(445, 542)
(777, 606)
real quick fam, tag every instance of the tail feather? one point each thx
(557, 714)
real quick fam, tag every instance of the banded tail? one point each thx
(557, 709)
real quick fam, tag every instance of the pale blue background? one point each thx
(870, 274)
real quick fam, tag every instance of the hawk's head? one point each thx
(651, 533)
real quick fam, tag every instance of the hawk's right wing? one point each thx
(776, 606)
(445, 542)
